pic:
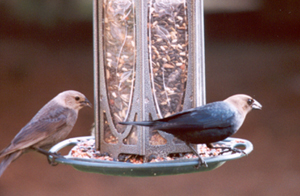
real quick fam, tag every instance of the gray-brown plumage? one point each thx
(50, 125)
(206, 124)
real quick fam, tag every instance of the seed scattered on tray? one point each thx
(86, 149)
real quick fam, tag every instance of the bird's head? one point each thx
(73, 100)
(244, 103)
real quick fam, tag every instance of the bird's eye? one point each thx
(250, 101)
(77, 98)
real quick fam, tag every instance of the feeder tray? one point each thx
(116, 168)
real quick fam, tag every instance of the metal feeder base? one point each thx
(115, 168)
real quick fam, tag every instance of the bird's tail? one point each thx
(141, 123)
(8, 159)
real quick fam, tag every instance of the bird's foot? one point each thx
(229, 149)
(54, 156)
(201, 163)
(47, 153)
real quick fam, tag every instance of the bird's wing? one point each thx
(39, 129)
(215, 115)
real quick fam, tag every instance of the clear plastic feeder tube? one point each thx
(149, 64)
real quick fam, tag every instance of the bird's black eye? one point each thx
(250, 101)
(77, 98)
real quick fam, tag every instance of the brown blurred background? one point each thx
(252, 47)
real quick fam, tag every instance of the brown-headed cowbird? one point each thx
(206, 124)
(50, 125)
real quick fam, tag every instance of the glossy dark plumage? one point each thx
(208, 123)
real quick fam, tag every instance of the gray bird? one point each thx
(206, 124)
(49, 126)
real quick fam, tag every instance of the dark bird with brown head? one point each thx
(206, 124)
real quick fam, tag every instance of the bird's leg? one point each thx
(47, 153)
(226, 149)
(201, 162)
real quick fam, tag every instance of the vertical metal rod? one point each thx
(199, 54)
(96, 69)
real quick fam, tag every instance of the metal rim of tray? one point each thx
(163, 168)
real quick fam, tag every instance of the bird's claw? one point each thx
(233, 150)
(201, 163)
(54, 156)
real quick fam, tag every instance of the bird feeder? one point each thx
(148, 64)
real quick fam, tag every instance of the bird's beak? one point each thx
(86, 102)
(256, 105)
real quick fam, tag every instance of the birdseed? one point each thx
(86, 149)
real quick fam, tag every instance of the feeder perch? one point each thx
(148, 64)
(181, 166)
